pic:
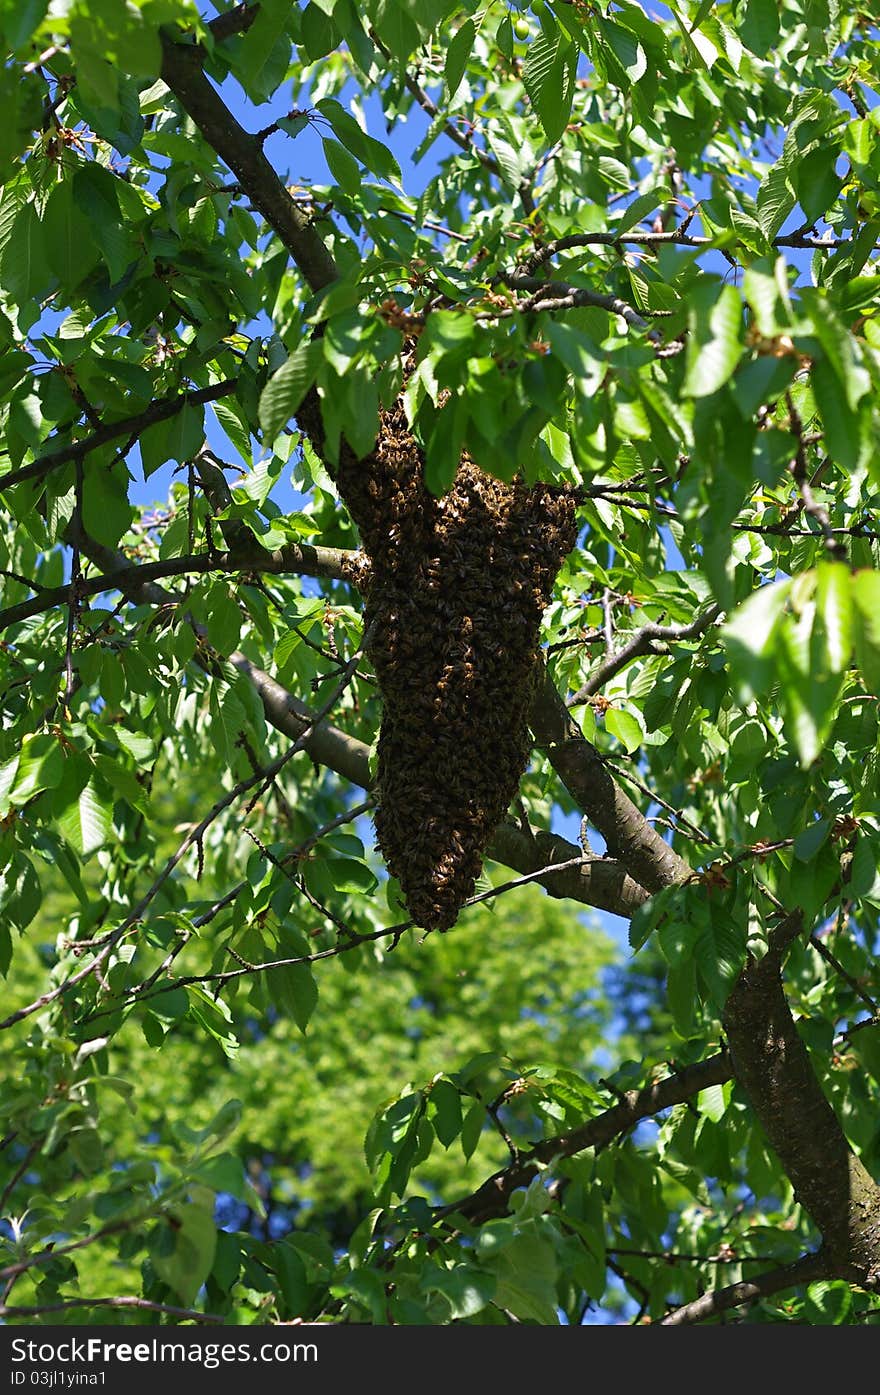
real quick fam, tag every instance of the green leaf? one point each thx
(866, 594)
(224, 618)
(472, 1127)
(343, 166)
(182, 1249)
(776, 199)
(445, 1105)
(71, 248)
(107, 513)
(548, 76)
(467, 1288)
(40, 766)
(20, 898)
(526, 1272)
(87, 822)
(625, 727)
(714, 345)
(444, 446)
(294, 989)
(810, 840)
(352, 877)
(750, 632)
(286, 389)
(19, 18)
(843, 433)
(828, 1303)
(834, 599)
(457, 55)
(372, 153)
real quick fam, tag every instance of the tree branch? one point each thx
(637, 238)
(123, 1301)
(803, 1271)
(642, 642)
(159, 410)
(559, 295)
(430, 108)
(238, 20)
(774, 1068)
(492, 1198)
(629, 837)
(243, 153)
(305, 560)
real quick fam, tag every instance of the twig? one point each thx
(159, 410)
(834, 963)
(492, 1198)
(801, 475)
(192, 838)
(124, 1301)
(429, 106)
(17, 1176)
(675, 237)
(559, 295)
(641, 643)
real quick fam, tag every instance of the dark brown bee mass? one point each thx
(457, 589)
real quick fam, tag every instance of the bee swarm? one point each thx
(457, 589)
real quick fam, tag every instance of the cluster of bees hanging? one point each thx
(457, 588)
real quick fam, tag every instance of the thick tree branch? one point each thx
(235, 21)
(492, 1199)
(243, 153)
(774, 1068)
(628, 836)
(803, 1271)
(159, 410)
(599, 882)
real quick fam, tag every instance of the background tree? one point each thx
(635, 276)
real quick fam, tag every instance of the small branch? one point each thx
(642, 642)
(628, 836)
(672, 1257)
(430, 108)
(159, 410)
(683, 823)
(21, 1266)
(676, 237)
(352, 940)
(17, 1176)
(803, 1271)
(299, 559)
(559, 295)
(834, 963)
(124, 1301)
(492, 1198)
(193, 838)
